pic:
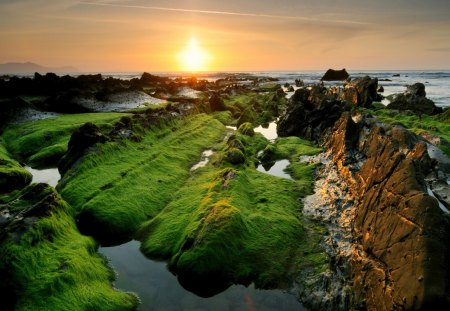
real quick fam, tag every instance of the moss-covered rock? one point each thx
(46, 264)
(12, 174)
(235, 156)
(246, 129)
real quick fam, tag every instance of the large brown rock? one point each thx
(401, 234)
(361, 92)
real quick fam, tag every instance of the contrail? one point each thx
(307, 19)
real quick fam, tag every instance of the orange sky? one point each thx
(236, 35)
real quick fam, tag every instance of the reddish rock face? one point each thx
(401, 234)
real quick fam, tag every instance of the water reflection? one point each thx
(269, 132)
(277, 169)
(158, 289)
(49, 176)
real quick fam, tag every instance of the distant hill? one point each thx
(13, 68)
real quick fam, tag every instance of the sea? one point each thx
(437, 82)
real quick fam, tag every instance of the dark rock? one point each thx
(235, 156)
(396, 75)
(335, 75)
(299, 83)
(380, 89)
(417, 89)
(414, 99)
(290, 89)
(361, 91)
(216, 103)
(83, 138)
(310, 113)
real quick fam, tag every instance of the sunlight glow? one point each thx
(193, 57)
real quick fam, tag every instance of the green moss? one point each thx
(52, 266)
(234, 225)
(437, 125)
(246, 129)
(12, 174)
(43, 142)
(255, 108)
(121, 184)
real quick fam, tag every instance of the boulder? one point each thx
(417, 89)
(310, 113)
(83, 138)
(362, 92)
(414, 99)
(216, 103)
(335, 75)
(401, 234)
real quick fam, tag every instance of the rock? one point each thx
(216, 102)
(246, 129)
(361, 92)
(417, 89)
(401, 234)
(396, 75)
(310, 113)
(235, 156)
(380, 89)
(290, 89)
(414, 99)
(335, 75)
(83, 138)
(299, 83)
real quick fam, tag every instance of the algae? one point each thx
(46, 263)
(42, 143)
(120, 184)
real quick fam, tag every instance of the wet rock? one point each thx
(85, 137)
(235, 156)
(299, 83)
(216, 103)
(380, 89)
(310, 113)
(414, 99)
(400, 232)
(417, 89)
(361, 92)
(335, 75)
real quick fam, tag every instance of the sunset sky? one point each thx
(232, 35)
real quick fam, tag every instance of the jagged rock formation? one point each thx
(399, 230)
(312, 108)
(335, 75)
(361, 91)
(414, 99)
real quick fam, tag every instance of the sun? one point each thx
(193, 58)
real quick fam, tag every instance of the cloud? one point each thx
(226, 13)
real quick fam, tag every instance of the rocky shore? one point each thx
(363, 224)
(388, 232)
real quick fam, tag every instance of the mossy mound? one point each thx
(12, 174)
(227, 226)
(46, 264)
(255, 108)
(42, 143)
(120, 184)
(246, 129)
